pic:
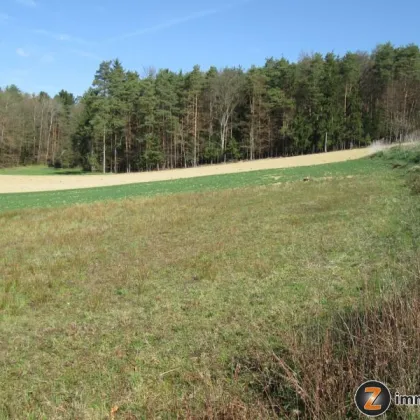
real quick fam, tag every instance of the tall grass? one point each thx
(316, 373)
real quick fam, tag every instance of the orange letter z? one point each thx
(369, 406)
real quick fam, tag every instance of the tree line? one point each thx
(165, 119)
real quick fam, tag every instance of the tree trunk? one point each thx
(211, 121)
(126, 145)
(195, 128)
(40, 135)
(49, 136)
(345, 103)
(104, 150)
(3, 125)
(115, 158)
(34, 131)
(251, 131)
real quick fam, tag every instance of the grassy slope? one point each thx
(200, 184)
(146, 303)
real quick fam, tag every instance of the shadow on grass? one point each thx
(72, 172)
(43, 171)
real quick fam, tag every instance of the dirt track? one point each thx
(19, 183)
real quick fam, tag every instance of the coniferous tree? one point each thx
(164, 119)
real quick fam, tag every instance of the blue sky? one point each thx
(58, 44)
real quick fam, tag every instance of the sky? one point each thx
(49, 45)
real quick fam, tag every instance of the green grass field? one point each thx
(363, 167)
(41, 170)
(148, 306)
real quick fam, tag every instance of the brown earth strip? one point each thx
(22, 183)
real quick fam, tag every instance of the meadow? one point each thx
(45, 199)
(185, 299)
(41, 170)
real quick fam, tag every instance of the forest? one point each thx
(128, 122)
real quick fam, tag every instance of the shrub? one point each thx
(57, 164)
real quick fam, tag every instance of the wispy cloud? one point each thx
(179, 21)
(4, 17)
(47, 58)
(87, 54)
(63, 37)
(29, 3)
(167, 24)
(22, 53)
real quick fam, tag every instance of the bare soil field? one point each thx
(22, 183)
